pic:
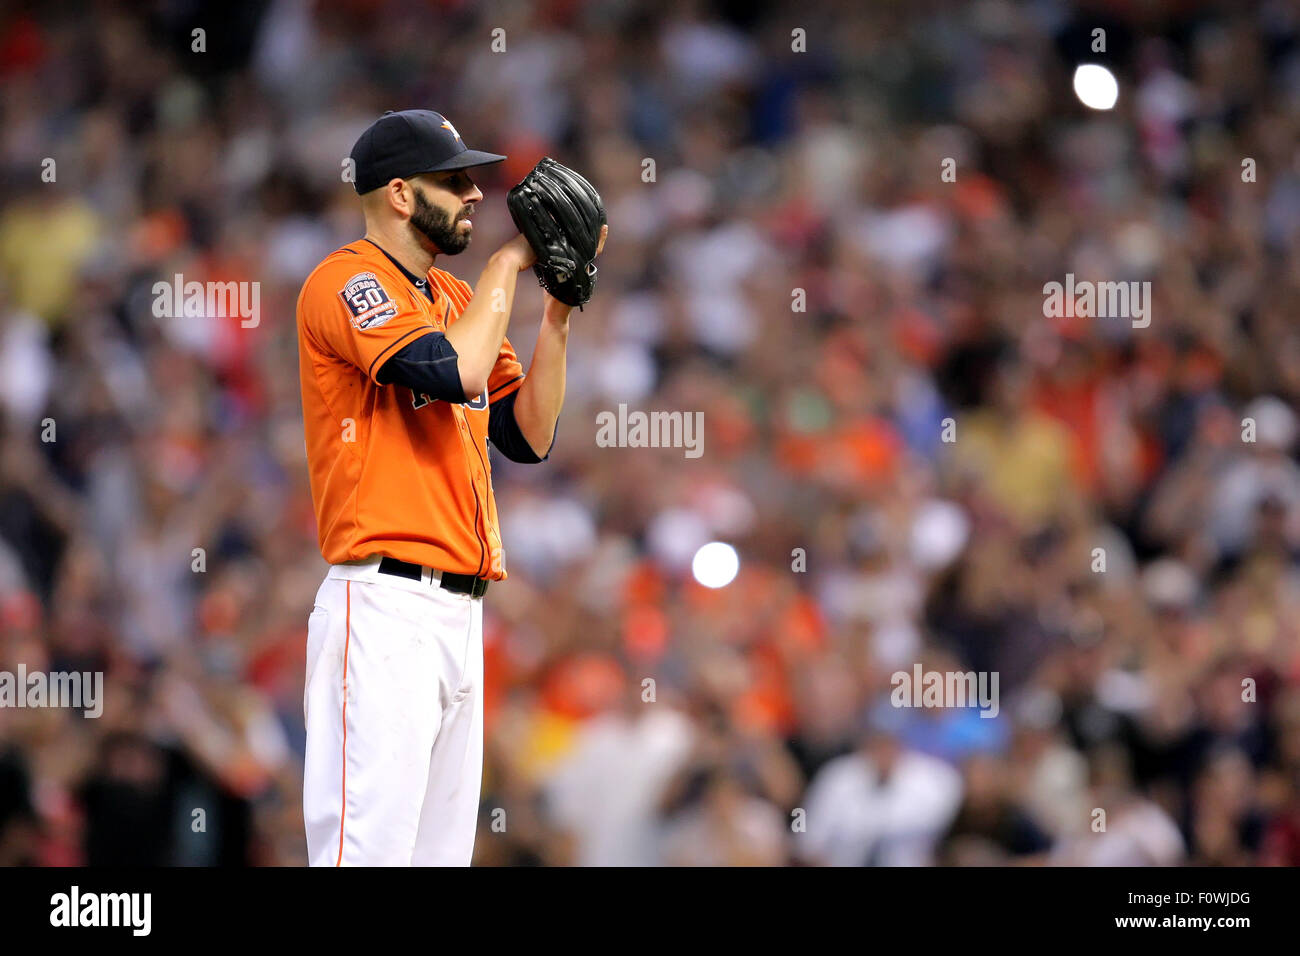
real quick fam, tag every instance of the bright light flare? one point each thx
(1096, 86)
(715, 565)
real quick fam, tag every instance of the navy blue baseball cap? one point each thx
(408, 143)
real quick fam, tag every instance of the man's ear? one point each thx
(401, 197)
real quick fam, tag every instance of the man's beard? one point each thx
(438, 227)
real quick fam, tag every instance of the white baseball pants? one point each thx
(394, 711)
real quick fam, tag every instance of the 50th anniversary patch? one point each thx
(367, 301)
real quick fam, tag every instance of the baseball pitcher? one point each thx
(406, 376)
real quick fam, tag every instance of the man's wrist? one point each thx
(557, 314)
(508, 258)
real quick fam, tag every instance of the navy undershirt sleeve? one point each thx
(504, 431)
(427, 365)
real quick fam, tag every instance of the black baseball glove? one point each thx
(560, 214)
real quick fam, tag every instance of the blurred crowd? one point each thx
(915, 464)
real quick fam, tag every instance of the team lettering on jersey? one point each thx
(419, 400)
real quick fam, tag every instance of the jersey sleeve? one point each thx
(507, 375)
(359, 316)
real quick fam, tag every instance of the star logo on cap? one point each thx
(446, 124)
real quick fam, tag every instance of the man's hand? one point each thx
(517, 252)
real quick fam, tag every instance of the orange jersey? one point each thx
(392, 472)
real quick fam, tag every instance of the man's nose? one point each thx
(474, 195)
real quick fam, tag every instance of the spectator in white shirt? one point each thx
(883, 805)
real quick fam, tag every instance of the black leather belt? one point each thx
(456, 583)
